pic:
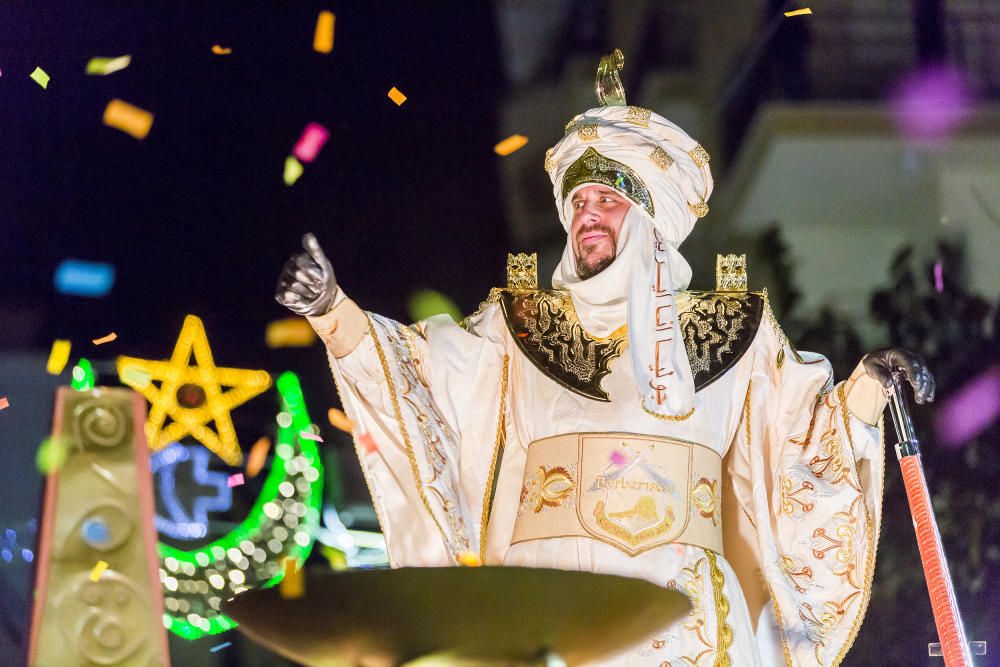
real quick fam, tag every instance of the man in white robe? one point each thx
(599, 425)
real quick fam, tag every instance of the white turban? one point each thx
(664, 173)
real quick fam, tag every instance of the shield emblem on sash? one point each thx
(633, 491)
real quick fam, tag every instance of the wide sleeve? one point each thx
(807, 470)
(427, 402)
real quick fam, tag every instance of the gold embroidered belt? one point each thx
(634, 492)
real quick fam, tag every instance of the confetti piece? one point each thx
(83, 375)
(293, 169)
(510, 144)
(336, 558)
(129, 119)
(339, 420)
(77, 277)
(369, 442)
(40, 77)
(221, 50)
(938, 277)
(219, 647)
(469, 559)
(617, 458)
(4, 403)
(258, 456)
(311, 142)
(135, 377)
(98, 570)
(396, 96)
(58, 357)
(310, 436)
(799, 12)
(106, 339)
(105, 66)
(50, 456)
(290, 332)
(235, 480)
(292, 586)
(323, 38)
(426, 303)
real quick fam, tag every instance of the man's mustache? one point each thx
(596, 227)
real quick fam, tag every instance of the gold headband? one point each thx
(592, 167)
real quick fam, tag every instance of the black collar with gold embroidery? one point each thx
(718, 328)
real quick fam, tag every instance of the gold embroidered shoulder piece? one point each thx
(718, 328)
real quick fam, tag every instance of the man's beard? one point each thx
(586, 268)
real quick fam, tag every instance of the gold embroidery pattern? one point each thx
(692, 584)
(592, 167)
(793, 499)
(717, 329)
(587, 132)
(547, 488)
(491, 475)
(551, 164)
(645, 508)
(705, 497)
(699, 208)
(638, 116)
(723, 630)
(699, 155)
(661, 158)
(797, 572)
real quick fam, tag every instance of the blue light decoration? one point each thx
(77, 277)
(179, 524)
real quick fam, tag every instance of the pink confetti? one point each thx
(311, 142)
(618, 459)
(310, 436)
(970, 410)
(236, 480)
(369, 443)
(938, 277)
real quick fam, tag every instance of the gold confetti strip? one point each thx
(221, 50)
(396, 96)
(258, 456)
(129, 119)
(106, 339)
(336, 558)
(292, 586)
(40, 77)
(289, 332)
(339, 420)
(58, 357)
(323, 38)
(98, 570)
(469, 559)
(135, 377)
(105, 66)
(799, 12)
(510, 144)
(293, 169)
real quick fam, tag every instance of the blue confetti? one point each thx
(216, 649)
(82, 278)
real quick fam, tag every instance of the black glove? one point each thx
(881, 364)
(307, 285)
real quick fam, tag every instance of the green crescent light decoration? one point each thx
(282, 524)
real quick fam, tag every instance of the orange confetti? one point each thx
(396, 96)
(292, 586)
(339, 420)
(221, 50)
(510, 144)
(4, 403)
(368, 442)
(129, 119)
(258, 456)
(106, 339)
(323, 38)
(469, 559)
(98, 570)
(289, 332)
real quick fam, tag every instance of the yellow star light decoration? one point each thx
(192, 396)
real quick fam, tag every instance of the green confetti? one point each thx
(427, 303)
(40, 77)
(51, 455)
(293, 169)
(105, 66)
(83, 375)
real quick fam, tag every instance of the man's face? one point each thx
(598, 214)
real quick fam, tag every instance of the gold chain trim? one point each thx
(402, 430)
(668, 418)
(723, 631)
(484, 521)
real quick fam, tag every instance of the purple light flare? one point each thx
(931, 103)
(970, 410)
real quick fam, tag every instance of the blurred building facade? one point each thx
(802, 118)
